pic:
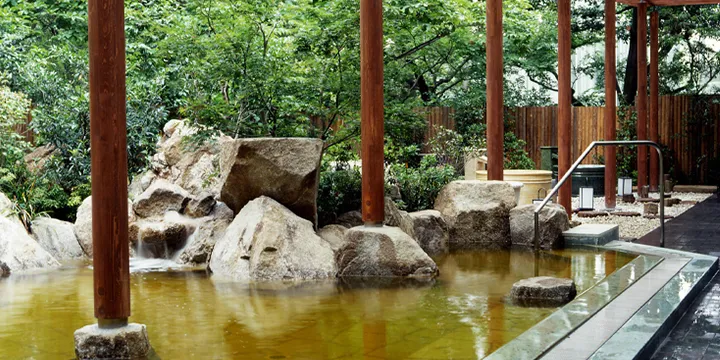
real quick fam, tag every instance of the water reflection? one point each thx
(462, 314)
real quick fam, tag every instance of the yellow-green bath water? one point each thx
(461, 315)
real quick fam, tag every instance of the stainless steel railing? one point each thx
(577, 163)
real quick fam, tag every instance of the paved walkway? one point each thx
(697, 335)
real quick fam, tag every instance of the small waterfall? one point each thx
(146, 257)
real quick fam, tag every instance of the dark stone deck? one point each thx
(697, 335)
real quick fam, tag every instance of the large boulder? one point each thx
(553, 222)
(477, 213)
(209, 230)
(285, 169)
(430, 230)
(83, 224)
(18, 251)
(267, 241)
(383, 252)
(57, 237)
(161, 197)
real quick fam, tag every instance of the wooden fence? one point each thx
(688, 125)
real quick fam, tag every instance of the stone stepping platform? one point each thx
(626, 315)
(591, 234)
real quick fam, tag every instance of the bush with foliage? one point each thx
(339, 191)
(30, 193)
(420, 186)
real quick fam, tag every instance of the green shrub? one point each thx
(420, 186)
(339, 191)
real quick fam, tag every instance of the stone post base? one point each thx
(125, 342)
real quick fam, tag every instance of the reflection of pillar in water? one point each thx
(374, 339)
(568, 270)
(496, 324)
(610, 262)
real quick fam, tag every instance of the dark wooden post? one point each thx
(106, 38)
(642, 96)
(372, 111)
(564, 103)
(609, 116)
(494, 82)
(654, 95)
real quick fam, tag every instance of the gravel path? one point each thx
(636, 227)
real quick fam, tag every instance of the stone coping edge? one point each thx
(641, 335)
(540, 338)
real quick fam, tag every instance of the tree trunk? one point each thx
(630, 85)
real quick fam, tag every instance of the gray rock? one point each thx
(477, 213)
(37, 158)
(161, 197)
(650, 209)
(334, 235)
(285, 169)
(83, 224)
(209, 230)
(397, 218)
(4, 269)
(7, 209)
(201, 206)
(57, 237)
(553, 222)
(19, 252)
(383, 252)
(140, 183)
(430, 231)
(350, 219)
(543, 291)
(127, 342)
(267, 241)
(393, 192)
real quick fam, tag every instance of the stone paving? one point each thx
(697, 335)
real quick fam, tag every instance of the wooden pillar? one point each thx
(106, 41)
(610, 114)
(372, 111)
(564, 103)
(654, 96)
(642, 97)
(494, 81)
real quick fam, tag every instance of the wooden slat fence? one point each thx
(688, 125)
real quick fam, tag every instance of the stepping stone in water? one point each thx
(543, 291)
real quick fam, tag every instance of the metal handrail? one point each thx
(574, 166)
